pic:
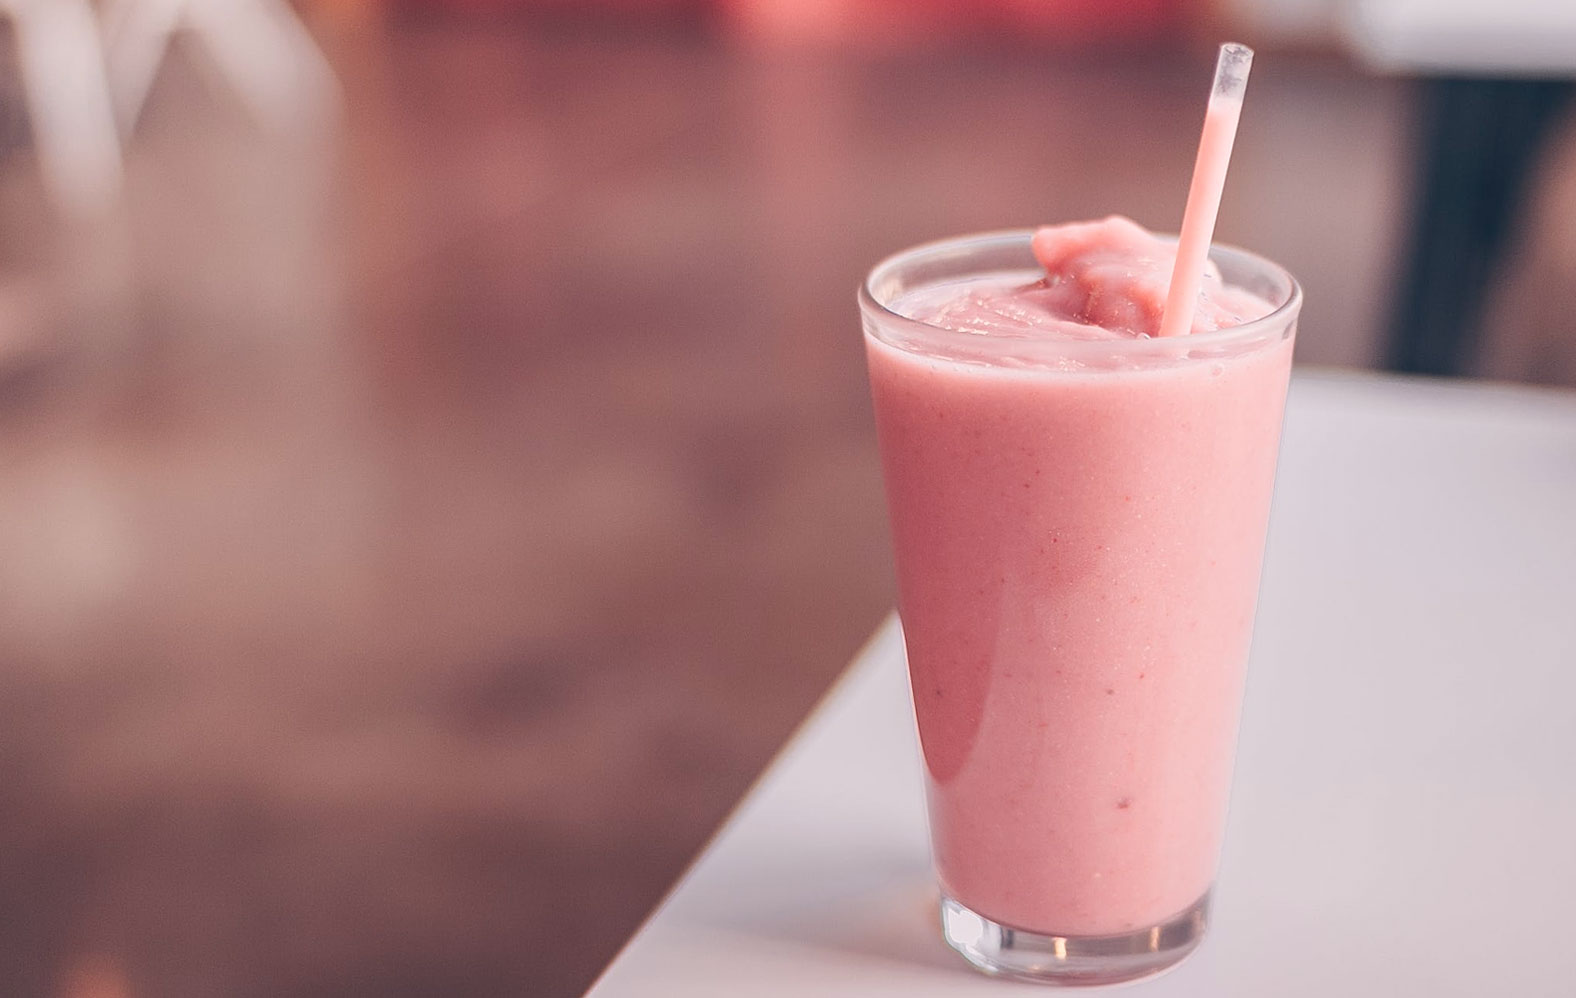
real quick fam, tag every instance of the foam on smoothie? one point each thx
(1104, 280)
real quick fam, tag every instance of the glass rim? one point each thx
(1276, 321)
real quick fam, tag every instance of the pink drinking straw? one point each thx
(1209, 179)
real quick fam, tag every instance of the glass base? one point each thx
(1002, 951)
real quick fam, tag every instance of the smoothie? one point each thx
(1078, 511)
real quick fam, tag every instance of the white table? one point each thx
(1404, 814)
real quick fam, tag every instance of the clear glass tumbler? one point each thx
(1079, 529)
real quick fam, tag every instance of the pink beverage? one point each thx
(1078, 510)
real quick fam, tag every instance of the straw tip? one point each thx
(1231, 69)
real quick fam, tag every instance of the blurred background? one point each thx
(435, 465)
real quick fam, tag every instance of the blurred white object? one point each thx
(61, 62)
(1504, 38)
(261, 48)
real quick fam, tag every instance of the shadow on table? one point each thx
(892, 920)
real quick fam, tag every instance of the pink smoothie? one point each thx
(1079, 516)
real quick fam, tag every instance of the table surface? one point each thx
(1403, 811)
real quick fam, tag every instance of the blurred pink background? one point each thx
(436, 470)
